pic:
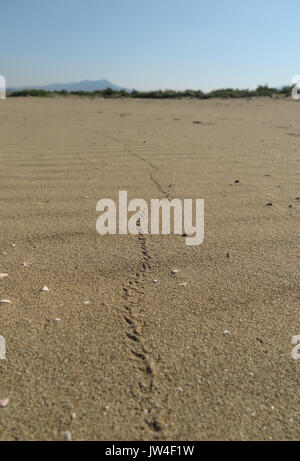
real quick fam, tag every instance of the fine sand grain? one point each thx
(108, 354)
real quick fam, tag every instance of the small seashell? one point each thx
(86, 302)
(174, 271)
(3, 253)
(73, 416)
(5, 301)
(155, 281)
(4, 402)
(179, 389)
(182, 284)
(226, 332)
(3, 275)
(26, 264)
(57, 319)
(68, 435)
(45, 288)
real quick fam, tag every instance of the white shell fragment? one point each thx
(3, 275)
(45, 288)
(226, 332)
(174, 271)
(5, 301)
(182, 284)
(3, 403)
(155, 281)
(68, 435)
(86, 302)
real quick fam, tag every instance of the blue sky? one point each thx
(150, 44)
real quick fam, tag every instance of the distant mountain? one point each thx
(85, 85)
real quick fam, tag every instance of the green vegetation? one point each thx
(39, 93)
(166, 94)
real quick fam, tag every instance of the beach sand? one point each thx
(144, 360)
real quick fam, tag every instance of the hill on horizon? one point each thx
(84, 85)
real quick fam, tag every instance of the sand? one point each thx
(143, 360)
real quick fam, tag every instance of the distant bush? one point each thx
(61, 92)
(39, 93)
(265, 91)
(285, 91)
(108, 92)
(225, 93)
